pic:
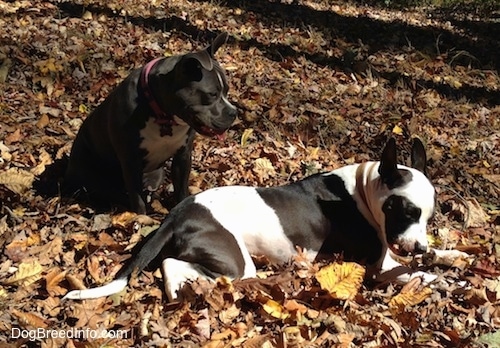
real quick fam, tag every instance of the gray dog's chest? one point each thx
(160, 148)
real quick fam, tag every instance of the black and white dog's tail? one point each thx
(148, 250)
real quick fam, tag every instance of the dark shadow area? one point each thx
(378, 35)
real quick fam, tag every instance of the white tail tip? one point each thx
(115, 286)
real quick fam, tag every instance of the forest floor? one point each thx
(318, 85)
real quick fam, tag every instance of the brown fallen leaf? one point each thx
(17, 180)
(13, 137)
(52, 280)
(29, 319)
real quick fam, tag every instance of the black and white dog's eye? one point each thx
(413, 212)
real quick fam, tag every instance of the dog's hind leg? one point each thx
(176, 273)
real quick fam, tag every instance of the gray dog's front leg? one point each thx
(181, 168)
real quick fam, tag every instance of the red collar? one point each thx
(161, 117)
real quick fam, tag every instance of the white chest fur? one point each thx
(160, 148)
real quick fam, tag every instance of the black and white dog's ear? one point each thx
(217, 43)
(388, 168)
(418, 156)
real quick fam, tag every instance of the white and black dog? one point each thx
(363, 211)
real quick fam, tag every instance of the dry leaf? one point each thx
(263, 168)
(52, 279)
(27, 273)
(244, 137)
(226, 316)
(44, 159)
(345, 340)
(17, 180)
(292, 337)
(341, 280)
(477, 217)
(94, 268)
(411, 294)
(275, 310)
(43, 121)
(123, 220)
(397, 130)
(30, 319)
(13, 137)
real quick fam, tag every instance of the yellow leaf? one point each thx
(411, 294)
(292, 337)
(19, 211)
(3, 293)
(397, 130)
(34, 239)
(275, 310)
(263, 168)
(314, 153)
(341, 280)
(83, 109)
(244, 137)
(27, 273)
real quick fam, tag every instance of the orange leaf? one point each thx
(29, 319)
(123, 219)
(43, 121)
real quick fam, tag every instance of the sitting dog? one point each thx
(363, 211)
(149, 118)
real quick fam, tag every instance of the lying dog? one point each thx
(362, 211)
(149, 118)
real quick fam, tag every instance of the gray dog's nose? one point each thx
(420, 248)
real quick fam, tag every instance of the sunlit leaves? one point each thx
(26, 274)
(411, 294)
(341, 280)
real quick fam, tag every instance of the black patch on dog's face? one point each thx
(402, 178)
(400, 214)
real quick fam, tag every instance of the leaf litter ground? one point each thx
(319, 84)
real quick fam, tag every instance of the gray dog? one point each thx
(150, 117)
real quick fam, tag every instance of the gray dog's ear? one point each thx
(203, 58)
(217, 43)
(418, 156)
(388, 168)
